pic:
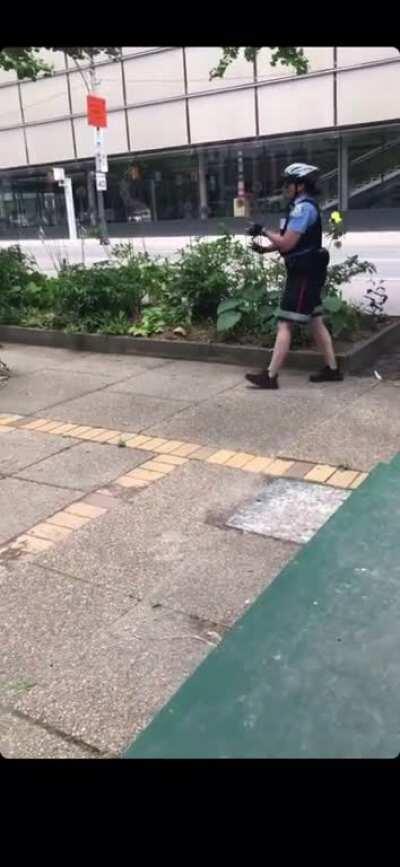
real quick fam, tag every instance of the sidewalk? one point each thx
(122, 567)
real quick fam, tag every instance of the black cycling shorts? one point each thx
(301, 299)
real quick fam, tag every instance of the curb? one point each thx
(360, 355)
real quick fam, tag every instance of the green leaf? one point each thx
(230, 304)
(228, 320)
(332, 303)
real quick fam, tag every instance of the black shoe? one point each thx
(263, 379)
(327, 375)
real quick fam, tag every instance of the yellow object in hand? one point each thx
(336, 217)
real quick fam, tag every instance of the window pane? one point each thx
(29, 199)
(154, 187)
(374, 167)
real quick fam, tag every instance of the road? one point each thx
(381, 248)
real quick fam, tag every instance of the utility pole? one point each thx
(99, 149)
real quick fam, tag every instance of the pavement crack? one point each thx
(54, 730)
(65, 448)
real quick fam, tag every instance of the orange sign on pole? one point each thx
(96, 111)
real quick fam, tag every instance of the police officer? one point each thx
(300, 244)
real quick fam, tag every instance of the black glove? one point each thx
(257, 248)
(255, 229)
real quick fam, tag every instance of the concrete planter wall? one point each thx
(360, 355)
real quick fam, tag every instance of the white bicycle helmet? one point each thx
(298, 171)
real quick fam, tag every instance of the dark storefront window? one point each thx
(29, 199)
(153, 188)
(373, 168)
(203, 182)
(263, 164)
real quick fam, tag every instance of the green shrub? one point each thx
(205, 274)
(253, 309)
(217, 282)
(21, 284)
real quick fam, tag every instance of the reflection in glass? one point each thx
(203, 183)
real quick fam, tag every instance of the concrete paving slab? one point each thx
(46, 622)
(111, 409)
(367, 432)
(169, 547)
(117, 365)
(22, 739)
(86, 465)
(253, 420)
(226, 574)
(113, 550)
(290, 510)
(183, 380)
(114, 690)
(23, 504)
(37, 391)
(130, 548)
(29, 359)
(20, 449)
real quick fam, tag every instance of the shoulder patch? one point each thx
(298, 210)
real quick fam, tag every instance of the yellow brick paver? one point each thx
(51, 532)
(8, 419)
(63, 519)
(220, 457)
(279, 467)
(359, 480)
(169, 454)
(169, 446)
(65, 428)
(91, 433)
(158, 466)
(35, 424)
(106, 436)
(320, 473)
(202, 453)
(31, 544)
(239, 460)
(79, 431)
(152, 444)
(137, 441)
(128, 482)
(186, 450)
(343, 478)
(145, 475)
(120, 438)
(258, 465)
(49, 427)
(174, 460)
(85, 510)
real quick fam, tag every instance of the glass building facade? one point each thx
(360, 170)
(183, 148)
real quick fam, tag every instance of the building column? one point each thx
(202, 187)
(343, 176)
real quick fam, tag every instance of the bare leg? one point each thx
(323, 340)
(281, 348)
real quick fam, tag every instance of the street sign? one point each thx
(99, 140)
(101, 181)
(101, 162)
(101, 156)
(96, 111)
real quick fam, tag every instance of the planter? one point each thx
(360, 355)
